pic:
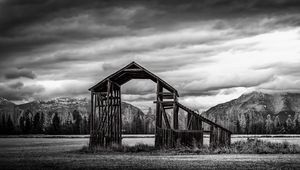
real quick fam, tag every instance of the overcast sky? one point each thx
(212, 51)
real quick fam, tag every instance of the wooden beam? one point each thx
(133, 70)
(165, 103)
(201, 117)
(92, 114)
(167, 95)
(165, 117)
(158, 121)
(190, 120)
(193, 131)
(175, 112)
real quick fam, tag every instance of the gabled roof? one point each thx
(129, 72)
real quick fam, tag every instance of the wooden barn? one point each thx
(106, 122)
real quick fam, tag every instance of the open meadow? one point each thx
(63, 153)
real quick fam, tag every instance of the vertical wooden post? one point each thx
(211, 137)
(200, 124)
(158, 120)
(120, 118)
(91, 122)
(158, 110)
(108, 124)
(175, 112)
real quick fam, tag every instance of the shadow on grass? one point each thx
(250, 146)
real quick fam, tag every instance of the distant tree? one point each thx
(289, 124)
(56, 124)
(147, 122)
(28, 122)
(22, 124)
(2, 125)
(297, 123)
(138, 125)
(10, 126)
(243, 123)
(85, 125)
(77, 122)
(36, 123)
(67, 128)
(238, 127)
(89, 123)
(277, 125)
(41, 122)
(269, 124)
(296, 126)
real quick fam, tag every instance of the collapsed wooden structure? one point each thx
(106, 119)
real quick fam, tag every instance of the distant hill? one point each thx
(62, 116)
(259, 113)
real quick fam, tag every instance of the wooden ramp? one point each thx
(106, 120)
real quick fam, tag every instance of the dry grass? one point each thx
(250, 146)
(120, 148)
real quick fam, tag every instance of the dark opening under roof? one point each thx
(129, 72)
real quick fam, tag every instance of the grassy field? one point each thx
(62, 153)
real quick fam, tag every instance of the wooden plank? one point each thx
(192, 131)
(201, 117)
(175, 116)
(211, 137)
(190, 120)
(158, 110)
(164, 103)
(92, 115)
(165, 117)
(158, 123)
(120, 119)
(167, 95)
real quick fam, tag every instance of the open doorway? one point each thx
(138, 112)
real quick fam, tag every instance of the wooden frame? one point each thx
(106, 118)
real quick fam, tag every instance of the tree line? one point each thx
(30, 123)
(269, 125)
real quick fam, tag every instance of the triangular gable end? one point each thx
(129, 72)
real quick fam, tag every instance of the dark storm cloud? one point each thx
(18, 91)
(16, 85)
(87, 40)
(27, 25)
(17, 73)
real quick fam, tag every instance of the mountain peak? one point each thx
(253, 94)
(254, 108)
(5, 101)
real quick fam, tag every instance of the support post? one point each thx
(175, 113)
(91, 117)
(158, 121)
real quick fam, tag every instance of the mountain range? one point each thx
(64, 116)
(251, 113)
(259, 113)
